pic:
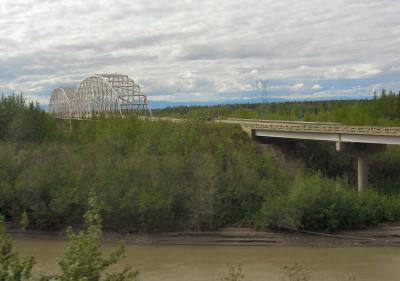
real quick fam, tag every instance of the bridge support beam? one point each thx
(361, 151)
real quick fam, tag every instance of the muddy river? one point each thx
(195, 263)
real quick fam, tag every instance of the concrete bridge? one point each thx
(360, 141)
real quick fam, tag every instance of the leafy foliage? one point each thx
(316, 203)
(150, 175)
(83, 259)
(12, 267)
(22, 122)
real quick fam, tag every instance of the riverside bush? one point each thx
(149, 176)
(317, 203)
(12, 267)
(83, 259)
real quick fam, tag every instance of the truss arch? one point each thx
(99, 94)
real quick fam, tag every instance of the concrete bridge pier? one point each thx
(361, 151)
(362, 169)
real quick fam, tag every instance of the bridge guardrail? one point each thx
(297, 126)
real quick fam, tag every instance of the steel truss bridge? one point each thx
(99, 95)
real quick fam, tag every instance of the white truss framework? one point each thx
(100, 94)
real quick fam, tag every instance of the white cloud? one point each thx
(361, 92)
(178, 49)
(355, 71)
(254, 71)
(297, 87)
(316, 87)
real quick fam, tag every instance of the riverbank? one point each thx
(382, 235)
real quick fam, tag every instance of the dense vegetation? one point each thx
(159, 176)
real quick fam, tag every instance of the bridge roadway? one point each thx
(360, 141)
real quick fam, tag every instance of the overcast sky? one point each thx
(203, 50)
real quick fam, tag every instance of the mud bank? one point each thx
(383, 235)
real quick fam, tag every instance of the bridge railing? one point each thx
(317, 127)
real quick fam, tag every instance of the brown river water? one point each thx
(259, 263)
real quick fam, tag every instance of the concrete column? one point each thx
(362, 166)
(361, 151)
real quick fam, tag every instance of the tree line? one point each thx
(382, 110)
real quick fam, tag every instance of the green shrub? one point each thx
(83, 259)
(22, 122)
(316, 203)
(154, 176)
(12, 267)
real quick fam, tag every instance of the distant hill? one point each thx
(165, 104)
